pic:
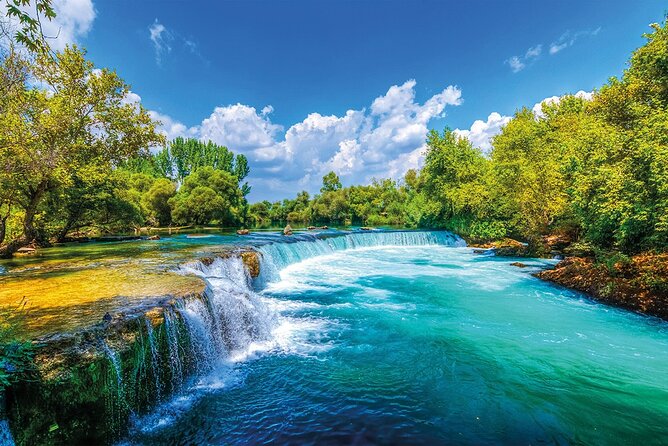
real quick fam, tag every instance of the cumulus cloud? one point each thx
(481, 132)
(538, 107)
(172, 128)
(385, 139)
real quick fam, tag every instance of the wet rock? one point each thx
(106, 317)
(519, 265)
(243, 232)
(154, 237)
(482, 251)
(252, 261)
(26, 250)
(366, 228)
(311, 228)
(324, 227)
(287, 230)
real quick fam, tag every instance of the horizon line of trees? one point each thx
(76, 156)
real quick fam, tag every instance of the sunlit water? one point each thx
(427, 345)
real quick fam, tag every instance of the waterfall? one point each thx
(154, 358)
(276, 256)
(233, 316)
(5, 435)
(230, 320)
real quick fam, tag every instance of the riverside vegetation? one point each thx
(587, 177)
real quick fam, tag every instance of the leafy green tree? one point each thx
(49, 136)
(157, 200)
(225, 203)
(200, 206)
(330, 183)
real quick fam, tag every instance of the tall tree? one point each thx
(79, 119)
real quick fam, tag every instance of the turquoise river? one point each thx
(411, 338)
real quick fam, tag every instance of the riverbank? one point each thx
(639, 283)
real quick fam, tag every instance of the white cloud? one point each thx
(74, 20)
(162, 39)
(171, 128)
(534, 51)
(384, 140)
(242, 129)
(516, 64)
(481, 132)
(569, 38)
(538, 107)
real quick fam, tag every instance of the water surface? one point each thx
(426, 344)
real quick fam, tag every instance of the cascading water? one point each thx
(277, 256)
(205, 335)
(396, 337)
(231, 320)
(5, 435)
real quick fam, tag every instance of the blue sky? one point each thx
(305, 87)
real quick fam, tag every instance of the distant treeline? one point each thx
(595, 170)
(78, 157)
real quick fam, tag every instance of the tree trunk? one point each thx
(29, 232)
(3, 229)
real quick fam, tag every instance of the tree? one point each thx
(330, 183)
(225, 203)
(51, 135)
(157, 200)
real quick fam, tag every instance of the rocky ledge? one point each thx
(87, 384)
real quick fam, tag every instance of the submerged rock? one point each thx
(519, 265)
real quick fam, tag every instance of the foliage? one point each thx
(209, 195)
(66, 136)
(16, 354)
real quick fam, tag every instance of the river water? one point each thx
(417, 340)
